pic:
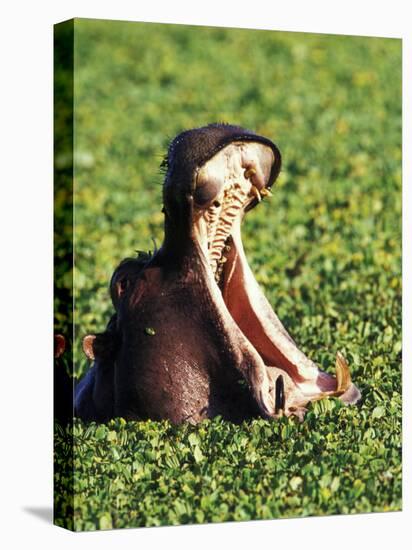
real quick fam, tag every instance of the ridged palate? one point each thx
(233, 200)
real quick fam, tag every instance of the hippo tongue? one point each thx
(255, 317)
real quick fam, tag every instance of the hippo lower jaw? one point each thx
(227, 186)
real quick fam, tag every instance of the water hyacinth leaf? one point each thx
(337, 205)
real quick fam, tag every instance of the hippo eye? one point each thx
(205, 194)
(210, 182)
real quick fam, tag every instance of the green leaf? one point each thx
(101, 432)
(105, 521)
(198, 455)
(112, 436)
(295, 482)
(397, 348)
(378, 412)
(193, 439)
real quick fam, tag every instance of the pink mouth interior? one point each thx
(233, 182)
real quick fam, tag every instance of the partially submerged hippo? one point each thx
(193, 335)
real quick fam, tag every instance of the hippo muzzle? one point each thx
(193, 335)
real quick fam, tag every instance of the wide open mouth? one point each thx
(228, 185)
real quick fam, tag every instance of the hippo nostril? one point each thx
(280, 395)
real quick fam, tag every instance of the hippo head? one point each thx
(192, 320)
(202, 166)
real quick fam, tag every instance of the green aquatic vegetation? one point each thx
(326, 249)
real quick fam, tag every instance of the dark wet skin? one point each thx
(192, 336)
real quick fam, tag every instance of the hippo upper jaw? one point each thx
(226, 186)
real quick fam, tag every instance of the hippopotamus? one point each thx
(192, 335)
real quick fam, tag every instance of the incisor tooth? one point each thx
(255, 192)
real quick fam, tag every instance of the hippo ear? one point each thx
(126, 273)
(121, 287)
(88, 342)
(118, 286)
(59, 345)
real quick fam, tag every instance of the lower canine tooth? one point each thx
(343, 377)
